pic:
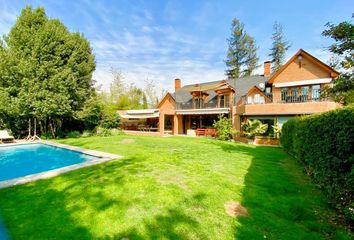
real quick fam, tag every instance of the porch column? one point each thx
(162, 124)
(175, 124)
(237, 124)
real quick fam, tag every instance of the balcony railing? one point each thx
(208, 105)
(287, 97)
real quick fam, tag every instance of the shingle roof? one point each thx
(241, 85)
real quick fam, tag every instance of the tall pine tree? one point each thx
(241, 57)
(279, 47)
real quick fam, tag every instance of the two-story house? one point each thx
(274, 98)
(295, 89)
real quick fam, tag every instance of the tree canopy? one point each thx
(343, 49)
(241, 57)
(45, 70)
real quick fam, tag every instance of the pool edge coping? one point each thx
(101, 158)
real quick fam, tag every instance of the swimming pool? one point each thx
(28, 162)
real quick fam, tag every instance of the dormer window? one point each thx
(224, 100)
(197, 102)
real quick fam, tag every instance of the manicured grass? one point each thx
(172, 188)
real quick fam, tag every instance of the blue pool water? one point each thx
(21, 160)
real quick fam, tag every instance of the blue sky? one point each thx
(162, 40)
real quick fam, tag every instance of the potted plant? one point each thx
(277, 130)
(252, 128)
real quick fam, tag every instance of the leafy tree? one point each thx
(46, 69)
(279, 47)
(242, 52)
(132, 98)
(110, 119)
(92, 113)
(98, 113)
(117, 87)
(224, 128)
(342, 48)
(151, 94)
(252, 128)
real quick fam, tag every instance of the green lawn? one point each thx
(172, 188)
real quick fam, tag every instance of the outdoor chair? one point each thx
(5, 136)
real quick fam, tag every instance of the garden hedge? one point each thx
(324, 143)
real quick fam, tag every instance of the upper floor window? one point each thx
(250, 100)
(221, 100)
(316, 92)
(301, 94)
(304, 93)
(255, 99)
(227, 100)
(284, 94)
(224, 100)
(268, 90)
(197, 102)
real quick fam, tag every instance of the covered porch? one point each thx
(140, 120)
(197, 122)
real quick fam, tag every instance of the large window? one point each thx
(227, 100)
(250, 100)
(316, 92)
(304, 94)
(197, 102)
(221, 100)
(300, 94)
(284, 94)
(294, 94)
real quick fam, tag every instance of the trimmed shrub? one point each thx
(324, 143)
(103, 132)
(87, 133)
(110, 119)
(74, 134)
(224, 128)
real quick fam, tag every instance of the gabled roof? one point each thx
(167, 95)
(255, 88)
(224, 86)
(308, 56)
(241, 86)
(260, 91)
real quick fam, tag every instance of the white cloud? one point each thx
(7, 18)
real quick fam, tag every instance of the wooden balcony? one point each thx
(293, 108)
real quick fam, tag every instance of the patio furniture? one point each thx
(5, 136)
(200, 131)
(211, 132)
(206, 132)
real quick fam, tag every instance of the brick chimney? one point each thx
(177, 84)
(267, 68)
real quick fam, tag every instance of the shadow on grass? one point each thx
(165, 226)
(97, 202)
(282, 201)
(52, 209)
